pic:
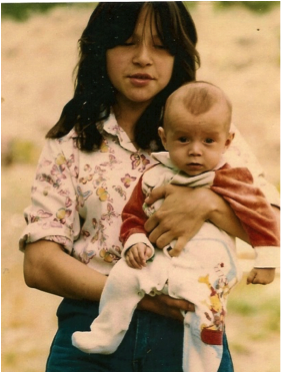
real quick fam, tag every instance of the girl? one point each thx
(132, 56)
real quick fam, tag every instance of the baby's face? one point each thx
(195, 143)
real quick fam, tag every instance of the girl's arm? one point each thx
(48, 268)
(183, 213)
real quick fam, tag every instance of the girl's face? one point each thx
(141, 67)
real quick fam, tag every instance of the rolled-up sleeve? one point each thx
(240, 155)
(52, 214)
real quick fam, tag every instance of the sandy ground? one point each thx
(240, 52)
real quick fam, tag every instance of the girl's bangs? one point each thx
(165, 27)
(121, 21)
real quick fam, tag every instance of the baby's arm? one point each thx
(262, 276)
(137, 255)
(137, 248)
(257, 217)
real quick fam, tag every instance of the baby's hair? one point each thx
(110, 25)
(198, 97)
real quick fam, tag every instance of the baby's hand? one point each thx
(262, 276)
(137, 255)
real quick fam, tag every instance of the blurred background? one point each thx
(239, 46)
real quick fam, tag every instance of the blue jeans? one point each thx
(152, 344)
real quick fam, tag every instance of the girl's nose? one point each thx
(142, 55)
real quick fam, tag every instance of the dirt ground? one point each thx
(239, 51)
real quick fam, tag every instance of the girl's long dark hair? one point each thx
(111, 24)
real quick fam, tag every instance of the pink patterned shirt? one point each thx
(77, 197)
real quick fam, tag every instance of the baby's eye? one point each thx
(183, 139)
(209, 140)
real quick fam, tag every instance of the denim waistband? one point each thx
(153, 343)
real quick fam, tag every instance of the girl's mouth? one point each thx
(141, 76)
(140, 80)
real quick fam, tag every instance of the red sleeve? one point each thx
(133, 216)
(236, 186)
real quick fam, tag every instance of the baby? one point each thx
(196, 133)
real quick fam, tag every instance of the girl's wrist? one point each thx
(208, 203)
(213, 203)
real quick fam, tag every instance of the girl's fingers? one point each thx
(155, 195)
(166, 306)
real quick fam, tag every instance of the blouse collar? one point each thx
(111, 127)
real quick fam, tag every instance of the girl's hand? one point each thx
(166, 306)
(180, 217)
(137, 255)
(183, 213)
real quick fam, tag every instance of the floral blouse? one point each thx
(77, 197)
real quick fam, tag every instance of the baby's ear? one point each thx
(162, 135)
(161, 132)
(232, 135)
(229, 139)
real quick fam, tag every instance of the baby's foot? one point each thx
(88, 342)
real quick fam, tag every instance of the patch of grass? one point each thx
(22, 11)
(259, 335)
(10, 358)
(271, 308)
(273, 322)
(259, 7)
(241, 307)
(21, 151)
(24, 151)
(258, 302)
(240, 348)
(190, 4)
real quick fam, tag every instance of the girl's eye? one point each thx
(183, 139)
(127, 43)
(209, 141)
(159, 46)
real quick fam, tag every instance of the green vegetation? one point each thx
(22, 11)
(190, 4)
(19, 151)
(257, 304)
(255, 6)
